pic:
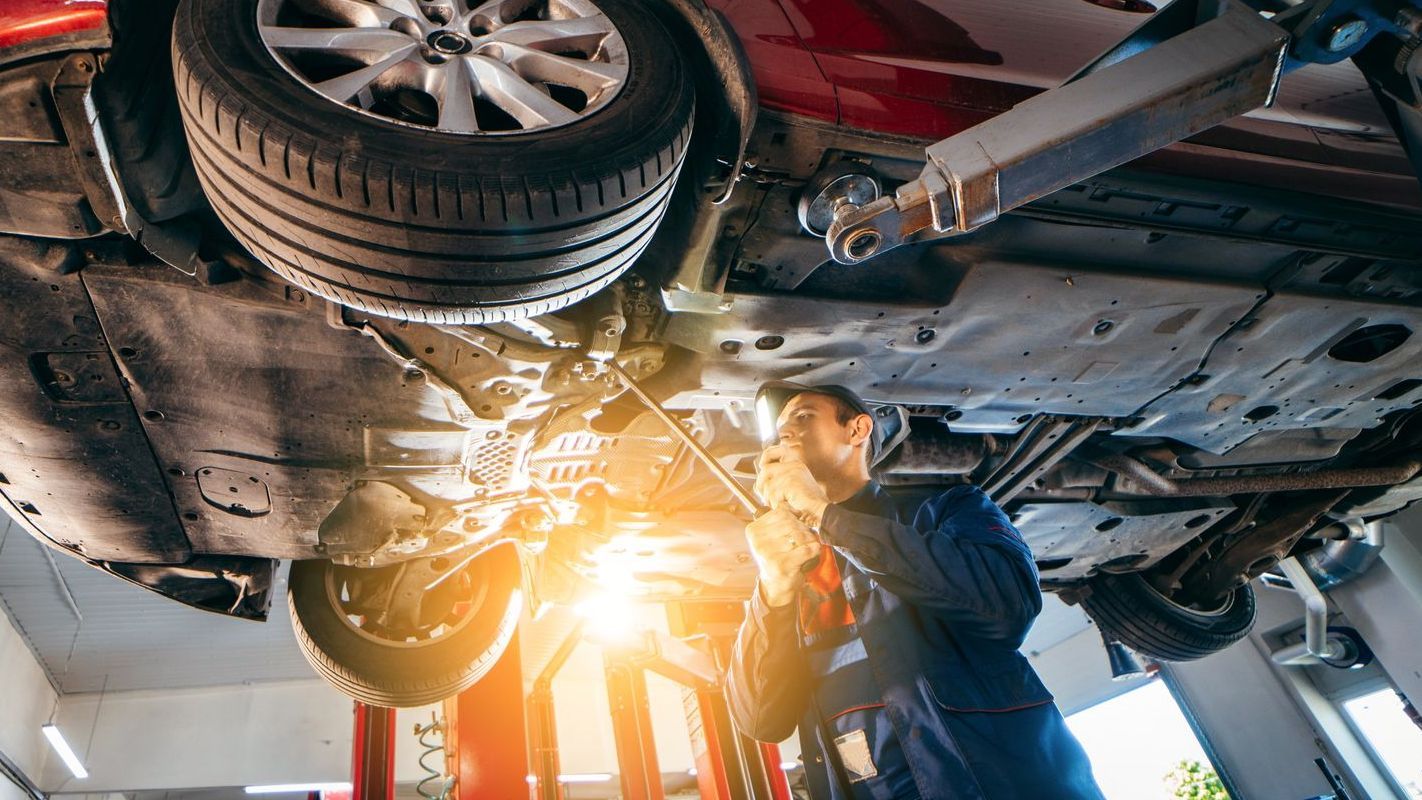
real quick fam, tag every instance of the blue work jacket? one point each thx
(941, 607)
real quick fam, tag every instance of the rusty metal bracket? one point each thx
(1226, 65)
(74, 98)
(1259, 549)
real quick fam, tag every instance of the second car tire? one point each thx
(421, 223)
(400, 674)
(1127, 608)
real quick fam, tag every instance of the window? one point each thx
(1137, 739)
(1394, 739)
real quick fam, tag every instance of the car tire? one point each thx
(1127, 608)
(416, 222)
(404, 674)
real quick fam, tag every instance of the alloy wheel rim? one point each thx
(341, 593)
(1222, 609)
(456, 66)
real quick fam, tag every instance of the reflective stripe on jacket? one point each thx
(941, 605)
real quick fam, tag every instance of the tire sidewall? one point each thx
(446, 661)
(1128, 608)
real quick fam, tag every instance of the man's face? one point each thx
(809, 422)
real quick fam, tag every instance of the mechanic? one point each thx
(891, 646)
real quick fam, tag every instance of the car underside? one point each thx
(1162, 377)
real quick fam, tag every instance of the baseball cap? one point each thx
(890, 421)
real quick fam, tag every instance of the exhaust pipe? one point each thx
(1346, 557)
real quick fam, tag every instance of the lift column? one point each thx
(729, 765)
(632, 729)
(486, 727)
(373, 753)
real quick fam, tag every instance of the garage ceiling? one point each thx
(130, 638)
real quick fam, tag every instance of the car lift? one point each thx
(1191, 66)
(502, 745)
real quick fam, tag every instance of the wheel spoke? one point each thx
(380, 40)
(589, 77)
(456, 99)
(347, 86)
(520, 99)
(356, 13)
(496, 12)
(586, 32)
(449, 11)
(468, 57)
(405, 8)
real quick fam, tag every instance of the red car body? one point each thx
(927, 70)
(28, 21)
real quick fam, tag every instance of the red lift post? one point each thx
(486, 734)
(497, 745)
(729, 765)
(373, 753)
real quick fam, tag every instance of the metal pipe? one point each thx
(1153, 483)
(740, 492)
(1316, 645)
(1132, 468)
(1342, 560)
(936, 451)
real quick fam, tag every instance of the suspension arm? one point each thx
(1225, 65)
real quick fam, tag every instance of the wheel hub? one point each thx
(449, 43)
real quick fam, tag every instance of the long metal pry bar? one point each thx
(740, 492)
(1120, 108)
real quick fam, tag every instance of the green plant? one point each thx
(1191, 780)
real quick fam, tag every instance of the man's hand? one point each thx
(783, 480)
(781, 545)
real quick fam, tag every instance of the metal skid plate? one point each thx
(684, 555)
(1013, 341)
(1088, 535)
(1285, 367)
(217, 396)
(73, 458)
(234, 492)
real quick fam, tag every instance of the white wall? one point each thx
(297, 731)
(279, 732)
(26, 699)
(1385, 604)
(1259, 736)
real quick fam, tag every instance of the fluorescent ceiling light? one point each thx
(56, 740)
(279, 788)
(586, 777)
(789, 765)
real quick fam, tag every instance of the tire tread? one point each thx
(326, 192)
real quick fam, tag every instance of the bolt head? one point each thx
(1345, 33)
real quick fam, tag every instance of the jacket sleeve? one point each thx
(961, 557)
(768, 681)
